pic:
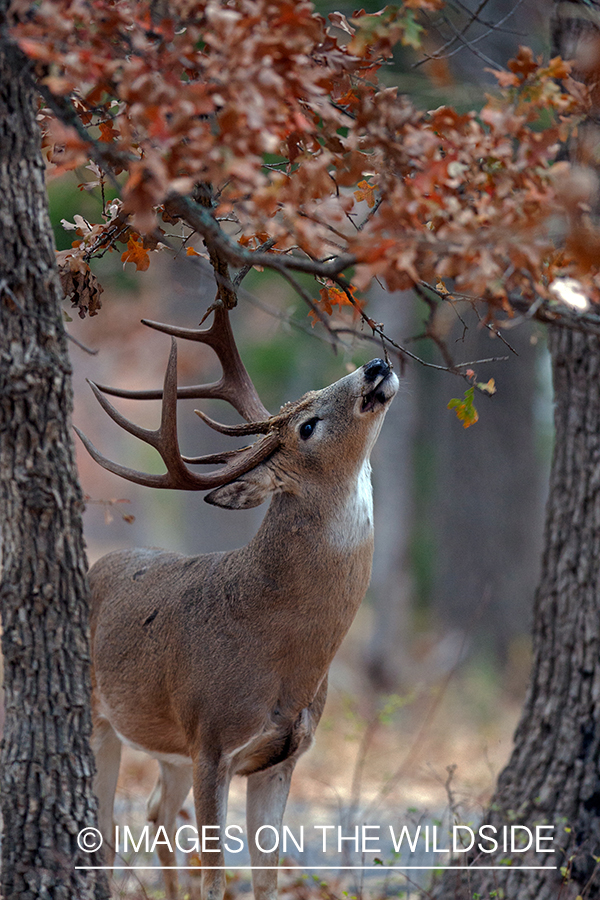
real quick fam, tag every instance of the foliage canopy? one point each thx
(262, 126)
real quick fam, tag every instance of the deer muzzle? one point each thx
(381, 385)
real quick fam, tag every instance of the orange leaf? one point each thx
(136, 253)
(366, 192)
(331, 296)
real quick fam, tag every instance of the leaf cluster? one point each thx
(263, 127)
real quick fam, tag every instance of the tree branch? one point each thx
(202, 221)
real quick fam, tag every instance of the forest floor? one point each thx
(428, 757)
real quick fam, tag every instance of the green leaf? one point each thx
(412, 30)
(465, 410)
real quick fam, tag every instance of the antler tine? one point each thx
(235, 430)
(165, 440)
(240, 462)
(161, 439)
(144, 434)
(168, 441)
(209, 458)
(235, 386)
(157, 481)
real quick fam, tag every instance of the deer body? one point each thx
(217, 664)
(291, 592)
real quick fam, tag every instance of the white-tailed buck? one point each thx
(216, 665)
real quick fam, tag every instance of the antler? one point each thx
(234, 386)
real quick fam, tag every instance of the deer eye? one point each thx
(307, 428)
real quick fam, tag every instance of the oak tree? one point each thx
(46, 762)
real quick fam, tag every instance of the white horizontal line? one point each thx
(310, 868)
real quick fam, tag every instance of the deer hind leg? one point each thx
(266, 796)
(167, 798)
(107, 750)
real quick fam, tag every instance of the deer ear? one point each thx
(249, 490)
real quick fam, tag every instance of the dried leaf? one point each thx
(366, 192)
(488, 387)
(81, 287)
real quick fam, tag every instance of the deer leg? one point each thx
(107, 750)
(211, 787)
(167, 798)
(266, 796)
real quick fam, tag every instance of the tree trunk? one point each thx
(46, 762)
(553, 774)
(387, 657)
(488, 504)
(552, 777)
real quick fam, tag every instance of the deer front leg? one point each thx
(167, 798)
(211, 787)
(266, 796)
(107, 751)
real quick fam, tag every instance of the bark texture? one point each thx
(46, 762)
(553, 775)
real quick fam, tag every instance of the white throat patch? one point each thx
(353, 524)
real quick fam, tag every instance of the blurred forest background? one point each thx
(433, 672)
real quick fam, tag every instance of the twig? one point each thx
(430, 330)
(469, 45)
(81, 346)
(438, 53)
(492, 28)
(494, 330)
(244, 271)
(311, 304)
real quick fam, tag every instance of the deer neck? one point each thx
(312, 555)
(310, 566)
(338, 519)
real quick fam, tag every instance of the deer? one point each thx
(216, 665)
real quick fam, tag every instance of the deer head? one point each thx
(296, 446)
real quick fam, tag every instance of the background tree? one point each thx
(488, 486)
(552, 776)
(263, 130)
(487, 508)
(46, 780)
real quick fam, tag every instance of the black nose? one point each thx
(375, 369)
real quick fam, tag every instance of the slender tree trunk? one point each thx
(46, 762)
(488, 505)
(387, 657)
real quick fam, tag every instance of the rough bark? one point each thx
(552, 776)
(46, 762)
